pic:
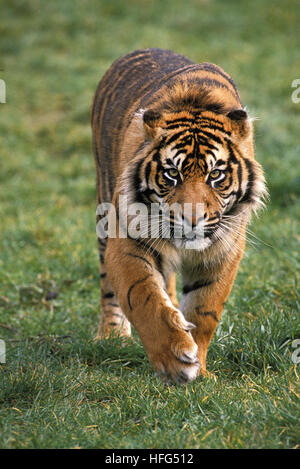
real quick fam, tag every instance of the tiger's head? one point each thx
(203, 160)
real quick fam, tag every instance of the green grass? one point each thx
(58, 389)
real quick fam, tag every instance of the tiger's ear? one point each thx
(240, 122)
(237, 115)
(152, 121)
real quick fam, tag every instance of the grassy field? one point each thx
(58, 389)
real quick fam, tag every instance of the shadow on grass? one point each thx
(37, 368)
(66, 350)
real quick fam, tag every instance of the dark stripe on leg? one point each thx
(131, 288)
(139, 257)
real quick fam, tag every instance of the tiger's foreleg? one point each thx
(162, 328)
(204, 296)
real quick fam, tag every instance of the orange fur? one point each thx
(154, 110)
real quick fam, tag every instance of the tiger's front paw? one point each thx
(172, 350)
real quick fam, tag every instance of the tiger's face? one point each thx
(202, 163)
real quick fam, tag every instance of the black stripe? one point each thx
(251, 177)
(168, 140)
(139, 257)
(219, 161)
(136, 178)
(156, 254)
(131, 288)
(195, 286)
(101, 241)
(225, 188)
(145, 195)
(180, 120)
(182, 144)
(147, 299)
(240, 177)
(156, 156)
(212, 124)
(232, 210)
(187, 68)
(230, 150)
(207, 313)
(211, 68)
(202, 122)
(213, 83)
(211, 136)
(186, 123)
(235, 160)
(203, 142)
(215, 127)
(148, 171)
(191, 65)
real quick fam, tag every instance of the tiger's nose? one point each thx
(194, 219)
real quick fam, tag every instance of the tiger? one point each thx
(166, 130)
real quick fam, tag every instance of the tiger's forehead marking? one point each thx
(193, 155)
(195, 143)
(173, 157)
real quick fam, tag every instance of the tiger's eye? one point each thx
(215, 173)
(173, 172)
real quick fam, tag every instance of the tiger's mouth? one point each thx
(195, 243)
(193, 235)
(197, 238)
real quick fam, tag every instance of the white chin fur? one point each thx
(197, 244)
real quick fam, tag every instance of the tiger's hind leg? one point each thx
(112, 319)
